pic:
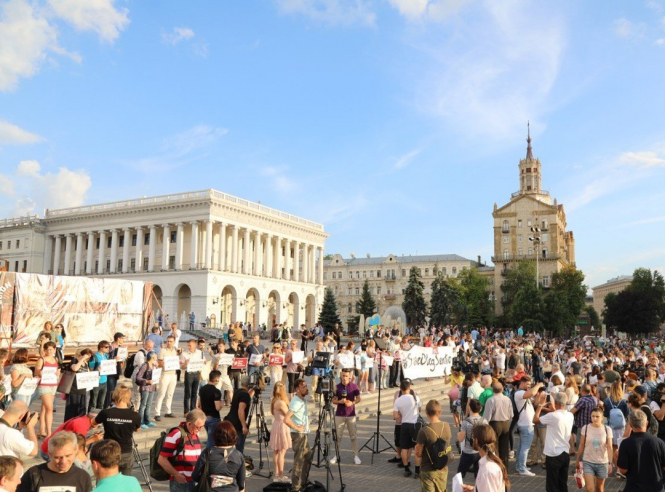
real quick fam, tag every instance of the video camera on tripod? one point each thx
(258, 381)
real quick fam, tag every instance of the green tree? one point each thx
(516, 278)
(556, 312)
(475, 297)
(527, 304)
(414, 304)
(328, 316)
(594, 319)
(610, 311)
(366, 304)
(569, 292)
(444, 301)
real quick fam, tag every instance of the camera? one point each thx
(326, 385)
(258, 381)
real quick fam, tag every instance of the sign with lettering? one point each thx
(388, 360)
(171, 363)
(49, 375)
(156, 375)
(276, 360)
(108, 368)
(28, 387)
(297, 356)
(421, 363)
(196, 365)
(346, 361)
(122, 353)
(255, 359)
(239, 363)
(87, 380)
(225, 359)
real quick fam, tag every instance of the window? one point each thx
(349, 308)
(544, 238)
(339, 275)
(121, 241)
(350, 275)
(119, 266)
(546, 281)
(350, 291)
(364, 274)
(0, 245)
(443, 270)
(378, 274)
(403, 291)
(16, 266)
(134, 240)
(108, 265)
(357, 310)
(520, 251)
(528, 223)
(505, 254)
(132, 264)
(18, 243)
(146, 239)
(334, 275)
(435, 270)
(378, 291)
(371, 274)
(544, 252)
(505, 227)
(25, 266)
(96, 266)
(519, 223)
(174, 235)
(519, 238)
(357, 291)
(357, 274)
(389, 291)
(336, 290)
(172, 262)
(97, 244)
(464, 269)
(530, 251)
(544, 224)
(505, 240)
(145, 264)
(108, 242)
(9, 245)
(403, 272)
(426, 271)
(454, 270)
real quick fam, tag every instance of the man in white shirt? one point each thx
(407, 406)
(192, 377)
(12, 441)
(559, 424)
(524, 405)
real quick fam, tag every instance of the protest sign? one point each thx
(156, 375)
(122, 353)
(28, 387)
(239, 363)
(49, 375)
(388, 360)
(346, 360)
(297, 357)
(255, 359)
(171, 363)
(224, 359)
(419, 362)
(196, 365)
(359, 361)
(276, 360)
(87, 380)
(108, 368)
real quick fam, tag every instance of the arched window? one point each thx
(506, 254)
(505, 227)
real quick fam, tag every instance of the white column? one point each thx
(114, 250)
(179, 242)
(166, 247)
(56, 256)
(101, 266)
(269, 271)
(48, 254)
(152, 248)
(287, 259)
(246, 248)
(257, 249)
(320, 275)
(312, 266)
(222, 247)
(259, 255)
(139, 249)
(91, 250)
(207, 263)
(78, 264)
(305, 264)
(296, 264)
(194, 245)
(276, 263)
(234, 250)
(126, 245)
(68, 254)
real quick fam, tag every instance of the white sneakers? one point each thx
(527, 473)
(356, 460)
(333, 460)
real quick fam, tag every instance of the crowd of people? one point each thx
(593, 403)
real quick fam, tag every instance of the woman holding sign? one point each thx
(145, 383)
(20, 372)
(77, 398)
(48, 370)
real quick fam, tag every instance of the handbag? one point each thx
(66, 382)
(453, 394)
(579, 476)
(204, 483)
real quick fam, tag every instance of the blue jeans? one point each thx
(526, 438)
(211, 423)
(240, 443)
(181, 487)
(146, 403)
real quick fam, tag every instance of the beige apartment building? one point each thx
(531, 226)
(387, 277)
(615, 285)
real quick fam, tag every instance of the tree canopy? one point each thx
(414, 304)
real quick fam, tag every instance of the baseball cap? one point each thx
(641, 390)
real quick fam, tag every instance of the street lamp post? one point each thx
(535, 239)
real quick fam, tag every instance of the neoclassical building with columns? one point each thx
(217, 255)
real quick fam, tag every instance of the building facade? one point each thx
(387, 276)
(22, 243)
(206, 252)
(614, 285)
(531, 226)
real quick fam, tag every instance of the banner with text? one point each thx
(427, 362)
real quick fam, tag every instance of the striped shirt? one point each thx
(185, 461)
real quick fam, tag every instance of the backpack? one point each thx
(652, 428)
(617, 419)
(439, 451)
(315, 487)
(277, 487)
(469, 435)
(156, 471)
(129, 367)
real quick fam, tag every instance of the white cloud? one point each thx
(13, 135)
(331, 12)
(659, 42)
(406, 159)
(183, 148)
(642, 159)
(179, 34)
(278, 180)
(495, 73)
(436, 10)
(99, 16)
(201, 49)
(37, 190)
(626, 29)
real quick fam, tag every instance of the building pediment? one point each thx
(507, 208)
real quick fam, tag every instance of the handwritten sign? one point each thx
(255, 359)
(49, 375)
(196, 365)
(419, 363)
(276, 360)
(388, 360)
(156, 375)
(239, 363)
(346, 361)
(7, 383)
(359, 361)
(28, 387)
(122, 353)
(87, 380)
(108, 368)
(297, 356)
(171, 363)
(224, 359)
(369, 363)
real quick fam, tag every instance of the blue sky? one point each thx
(396, 123)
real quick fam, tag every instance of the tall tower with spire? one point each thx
(529, 170)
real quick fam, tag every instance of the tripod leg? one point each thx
(137, 458)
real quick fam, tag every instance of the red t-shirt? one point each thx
(183, 462)
(78, 425)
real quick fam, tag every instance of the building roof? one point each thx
(378, 260)
(615, 280)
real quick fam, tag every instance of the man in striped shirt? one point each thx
(181, 465)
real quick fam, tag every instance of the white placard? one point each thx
(171, 363)
(196, 365)
(122, 353)
(7, 383)
(156, 375)
(388, 360)
(359, 362)
(225, 359)
(297, 356)
(28, 387)
(49, 375)
(255, 359)
(420, 363)
(346, 360)
(87, 380)
(108, 368)
(369, 363)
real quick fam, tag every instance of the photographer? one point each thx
(242, 399)
(12, 441)
(347, 395)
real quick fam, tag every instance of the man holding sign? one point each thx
(258, 350)
(118, 353)
(98, 395)
(192, 362)
(167, 384)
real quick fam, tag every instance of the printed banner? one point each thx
(276, 360)
(108, 368)
(239, 363)
(225, 359)
(419, 362)
(297, 357)
(196, 365)
(156, 375)
(171, 363)
(28, 387)
(7, 285)
(87, 380)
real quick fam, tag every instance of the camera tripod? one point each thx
(137, 459)
(375, 439)
(262, 432)
(322, 448)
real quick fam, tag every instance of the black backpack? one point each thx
(129, 367)
(439, 452)
(315, 487)
(156, 471)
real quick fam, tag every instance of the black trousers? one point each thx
(502, 431)
(557, 472)
(75, 406)
(468, 462)
(191, 390)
